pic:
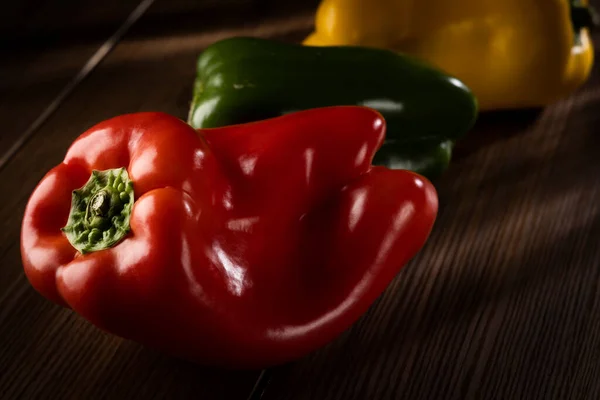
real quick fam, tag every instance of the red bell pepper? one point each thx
(243, 246)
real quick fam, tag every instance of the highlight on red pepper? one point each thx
(243, 246)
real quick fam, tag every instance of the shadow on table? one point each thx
(494, 126)
(158, 375)
(51, 25)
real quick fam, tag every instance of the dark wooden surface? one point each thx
(43, 49)
(502, 303)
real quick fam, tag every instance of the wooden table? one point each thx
(502, 303)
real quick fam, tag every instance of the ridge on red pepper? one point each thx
(246, 246)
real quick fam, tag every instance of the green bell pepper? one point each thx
(429, 158)
(244, 79)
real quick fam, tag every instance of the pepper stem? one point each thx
(100, 211)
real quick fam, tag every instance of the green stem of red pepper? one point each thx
(100, 211)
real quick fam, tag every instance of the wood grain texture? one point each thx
(45, 45)
(44, 24)
(503, 302)
(45, 351)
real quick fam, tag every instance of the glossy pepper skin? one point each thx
(248, 246)
(429, 158)
(511, 53)
(248, 79)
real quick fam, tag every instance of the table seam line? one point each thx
(68, 89)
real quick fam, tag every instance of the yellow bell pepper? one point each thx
(511, 53)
